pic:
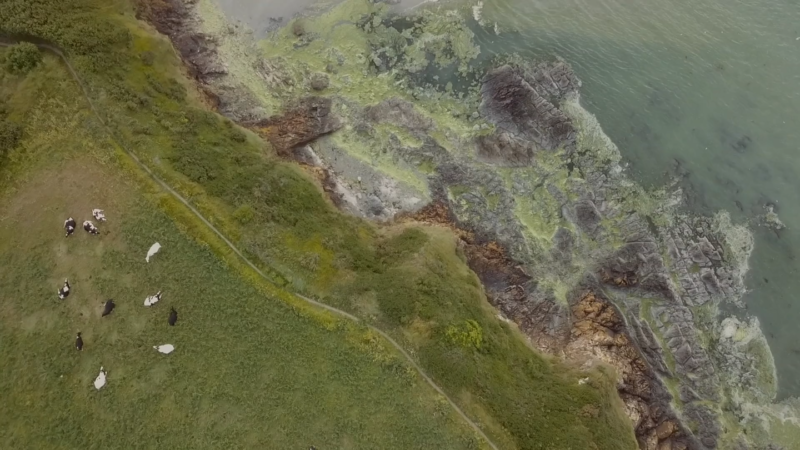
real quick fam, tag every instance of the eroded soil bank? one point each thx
(388, 112)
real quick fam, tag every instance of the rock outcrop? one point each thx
(522, 110)
(596, 278)
(300, 124)
(503, 149)
(599, 333)
(589, 328)
(616, 255)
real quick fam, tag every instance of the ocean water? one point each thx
(705, 90)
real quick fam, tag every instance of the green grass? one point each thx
(249, 370)
(425, 293)
(410, 282)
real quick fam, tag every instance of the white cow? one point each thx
(99, 215)
(165, 348)
(153, 250)
(153, 299)
(100, 381)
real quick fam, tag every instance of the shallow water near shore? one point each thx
(264, 16)
(705, 91)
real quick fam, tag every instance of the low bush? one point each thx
(22, 58)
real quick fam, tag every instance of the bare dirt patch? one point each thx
(33, 218)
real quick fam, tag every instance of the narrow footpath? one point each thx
(6, 42)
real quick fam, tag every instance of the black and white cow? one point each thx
(173, 317)
(90, 228)
(69, 226)
(63, 292)
(79, 342)
(108, 307)
(99, 215)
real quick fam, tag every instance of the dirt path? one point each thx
(6, 42)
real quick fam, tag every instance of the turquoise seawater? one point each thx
(705, 89)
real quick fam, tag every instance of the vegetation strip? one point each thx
(6, 42)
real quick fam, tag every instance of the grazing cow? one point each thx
(69, 226)
(90, 228)
(153, 299)
(79, 342)
(108, 307)
(164, 348)
(100, 381)
(173, 316)
(63, 292)
(99, 215)
(152, 251)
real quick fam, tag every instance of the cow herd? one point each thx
(108, 306)
(88, 225)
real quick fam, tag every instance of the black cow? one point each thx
(90, 228)
(173, 316)
(69, 226)
(79, 342)
(63, 292)
(109, 306)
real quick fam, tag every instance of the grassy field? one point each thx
(249, 371)
(299, 376)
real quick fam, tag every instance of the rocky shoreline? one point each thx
(590, 266)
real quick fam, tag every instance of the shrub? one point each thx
(167, 86)
(244, 214)
(97, 45)
(396, 249)
(468, 334)
(22, 58)
(148, 58)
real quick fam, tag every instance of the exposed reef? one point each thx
(589, 265)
